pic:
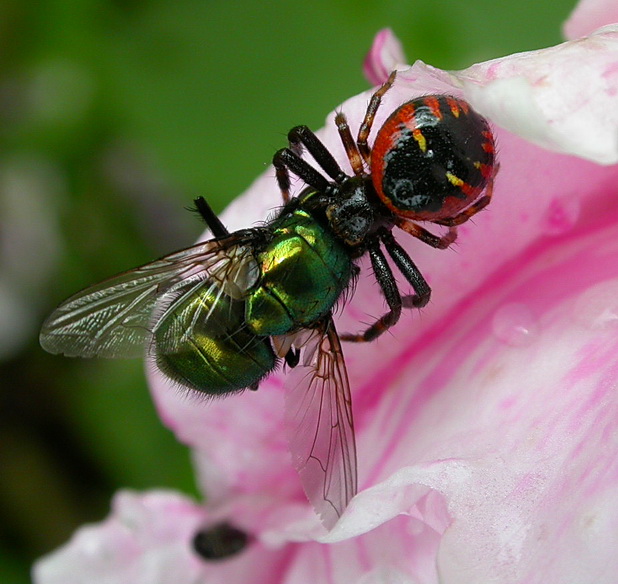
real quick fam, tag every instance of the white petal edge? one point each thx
(562, 98)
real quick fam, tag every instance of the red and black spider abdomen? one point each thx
(432, 158)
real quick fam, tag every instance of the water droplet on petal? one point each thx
(514, 324)
(561, 215)
(597, 307)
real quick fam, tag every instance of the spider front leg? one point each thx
(302, 136)
(286, 161)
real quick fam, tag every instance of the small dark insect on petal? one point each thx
(219, 542)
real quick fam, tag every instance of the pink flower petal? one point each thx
(589, 15)
(147, 539)
(385, 55)
(521, 437)
(131, 544)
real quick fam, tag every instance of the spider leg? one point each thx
(351, 150)
(286, 161)
(437, 241)
(384, 275)
(386, 280)
(302, 136)
(422, 291)
(370, 114)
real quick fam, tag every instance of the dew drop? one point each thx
(597, 307)
(561, 215)
(514, 324)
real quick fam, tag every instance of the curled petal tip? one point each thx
(384, 56)
(588, 16)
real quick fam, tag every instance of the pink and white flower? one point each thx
(487, 424)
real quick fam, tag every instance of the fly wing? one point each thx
(115, 317)
(321, 427)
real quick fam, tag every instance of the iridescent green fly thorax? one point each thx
(303, 271)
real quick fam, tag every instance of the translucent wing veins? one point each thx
(321, 426)
(115, 317)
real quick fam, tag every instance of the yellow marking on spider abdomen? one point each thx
(420, 139)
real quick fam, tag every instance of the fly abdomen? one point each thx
(205, 345)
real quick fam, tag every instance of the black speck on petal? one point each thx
(220, 541)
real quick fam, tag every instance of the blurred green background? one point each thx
(114, 115)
